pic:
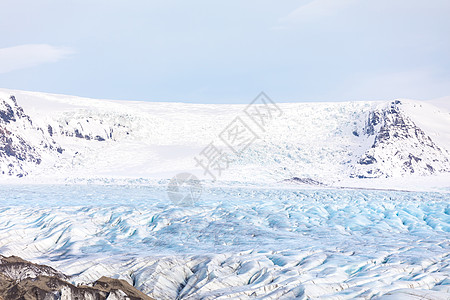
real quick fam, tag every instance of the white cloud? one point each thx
(26, 56)
(316, 9)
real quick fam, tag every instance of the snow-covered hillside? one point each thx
(57, 136)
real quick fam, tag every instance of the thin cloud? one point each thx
(30, 55)
(316, 9)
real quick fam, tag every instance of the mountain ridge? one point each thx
(79, 137)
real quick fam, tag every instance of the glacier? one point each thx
(334, 200)
(237, 242)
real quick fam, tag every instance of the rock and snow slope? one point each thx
(45, 135)
(23, 145)
(400, 146)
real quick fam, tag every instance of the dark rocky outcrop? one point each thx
(88, 127)
(304, 180)
(373, 120)
(23, 280)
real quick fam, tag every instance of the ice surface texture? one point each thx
(236, 242)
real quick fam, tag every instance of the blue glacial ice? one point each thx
(236, 242)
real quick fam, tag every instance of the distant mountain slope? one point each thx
(63, 136)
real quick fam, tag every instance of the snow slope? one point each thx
(326, 142)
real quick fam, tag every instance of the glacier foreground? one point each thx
(238, 242)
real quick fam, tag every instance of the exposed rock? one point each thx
(89, 126)
(50, 130)
(305, 180)
(367, 160)
(372, 122)
(20, 279)
(18, 269)
(7, 114)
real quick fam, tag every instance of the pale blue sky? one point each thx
(227, 51)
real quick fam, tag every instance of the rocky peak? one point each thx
(21, 143)
(400, 147)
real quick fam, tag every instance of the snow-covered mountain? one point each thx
(46, 135)
(399, 146)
